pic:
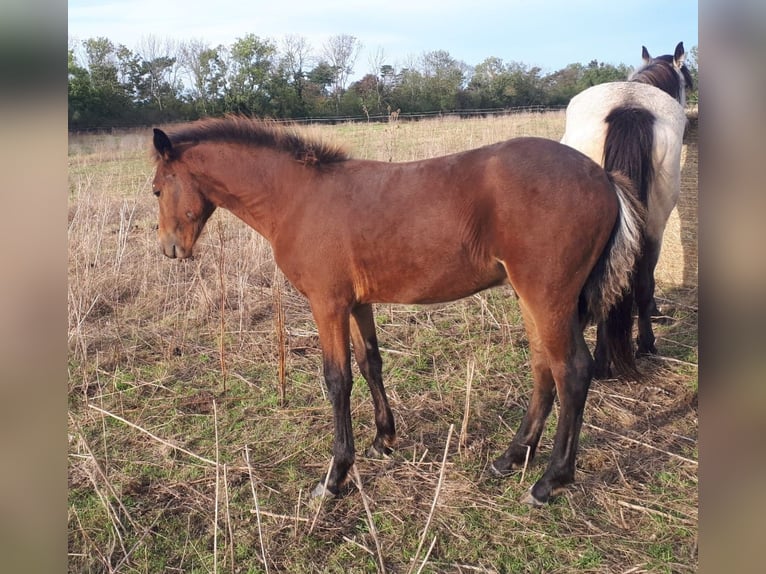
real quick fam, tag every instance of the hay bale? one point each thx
(678, 261)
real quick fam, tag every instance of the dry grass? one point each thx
(186, 456)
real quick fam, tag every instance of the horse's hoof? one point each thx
(496, 472)
(321, 491)
(603, 374)
(531, 500)
(374, 452)
(646, 351)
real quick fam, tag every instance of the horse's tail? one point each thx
(628, 146)
(608, 292)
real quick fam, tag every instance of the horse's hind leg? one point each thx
(647, 307)
(371, 365)
(572, 369)
(524, 443)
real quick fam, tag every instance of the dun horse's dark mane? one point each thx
(661, 73)
(240, 129)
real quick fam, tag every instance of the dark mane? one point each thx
(254, 132)
(661, 73)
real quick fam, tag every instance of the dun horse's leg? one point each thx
(333, 326)
(572, 368)
(601, 354)
(524, 443)
(371, 365)
(647, 307)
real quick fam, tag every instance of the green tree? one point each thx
(367, 91)
(408, 91)
(599, 73)
(443, 79)
(206, 70)
(562, 85)
(109, 103)
(525, 86)
(80, 91)
(692, 63)
(495, 84)
(250, 69)
(488, 85)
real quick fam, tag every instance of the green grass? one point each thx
(145, 346)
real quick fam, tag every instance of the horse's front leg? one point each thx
(333, 325)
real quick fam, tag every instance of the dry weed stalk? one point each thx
(221, 313)
(257, 509)
(370, 521)
(391, 127)
(638, 442)
(322, 496)
(433, 504)
(217, 487)
(470, 367)
(656, 512)
(281, 334)
(228, 515)
(155, 437)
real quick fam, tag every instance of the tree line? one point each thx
(164, 81)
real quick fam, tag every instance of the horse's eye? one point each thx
(156, 192)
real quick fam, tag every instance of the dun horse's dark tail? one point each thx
(628, 146)
(608, 292)
(627, 149)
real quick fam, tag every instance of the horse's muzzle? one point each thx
(175, 251)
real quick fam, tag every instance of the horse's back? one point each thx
(554, 210)
(585, 126)
(439, 229)
(602, 98)
(586, 131)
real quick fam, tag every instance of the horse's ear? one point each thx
(680, 55)
(162, 144)
(645, 55)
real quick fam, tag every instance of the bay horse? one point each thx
(637, 127)
(348, 233)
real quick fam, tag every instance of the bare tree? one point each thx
(296, 54)
(341, 52)
(376, 60)
(190, 60)
(160, 58)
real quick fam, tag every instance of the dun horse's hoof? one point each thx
(646, 350)
(375, 452)
(496, 472)
(529, 498)
(602, 374)
(321, 491)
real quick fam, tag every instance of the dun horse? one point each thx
(637, 127)
(348, 233)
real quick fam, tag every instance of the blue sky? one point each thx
(546, 33)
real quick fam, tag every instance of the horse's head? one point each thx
(184, 209)
(678, 62)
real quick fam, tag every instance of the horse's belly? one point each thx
(440, 283)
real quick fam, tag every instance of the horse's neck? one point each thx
(245, 183)
(679, 96)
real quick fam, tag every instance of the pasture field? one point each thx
(188, 452)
